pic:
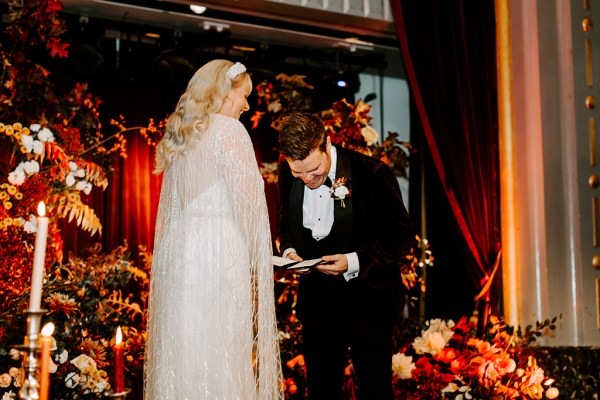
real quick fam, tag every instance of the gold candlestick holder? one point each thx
(30, 349)
(119, 395)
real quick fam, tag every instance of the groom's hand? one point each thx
(334, 265)
(294, 256)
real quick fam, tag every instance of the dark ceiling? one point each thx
(273, 35)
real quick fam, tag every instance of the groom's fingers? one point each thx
(294, 256)
(335, 264)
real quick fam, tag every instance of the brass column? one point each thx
(508, 207)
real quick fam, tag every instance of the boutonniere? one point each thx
(339, 190)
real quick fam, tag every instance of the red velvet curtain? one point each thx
(448, 48)
(127, 208)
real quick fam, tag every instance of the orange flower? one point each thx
(446, 355)
(298, 360)
(61, 303)
(95, 350)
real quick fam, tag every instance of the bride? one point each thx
(212, 329)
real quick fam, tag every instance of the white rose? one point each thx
(73, 166)
(8, 395)
(34, 127)
(80, 173)
(84, 363)
(402, 366)
(62, 357)
(80, 185)
(5, 380)
(101, 385)
(19, 380)
(341, 192)
(52, 368)
(30, 226)
(17, 177)
(14, 353)
(72, 380)
(274, 106)
(451, 388)
(45, 135)
(70, 179)
(432, 343)
(27, 141)
(88, 188)
(370, 135)
(31, 167)
(38, 147)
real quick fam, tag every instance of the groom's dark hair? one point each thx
(299, 134)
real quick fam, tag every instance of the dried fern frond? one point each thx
(85, 216)
(94, 174)
(54, 153)
(122, 305)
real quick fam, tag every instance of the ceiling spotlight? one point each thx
(197, 9)
(208, 25)
(342, 83)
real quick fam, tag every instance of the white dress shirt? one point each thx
(317, 211)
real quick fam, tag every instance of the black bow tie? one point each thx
(327, 182)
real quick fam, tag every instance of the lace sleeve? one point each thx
(237, 165)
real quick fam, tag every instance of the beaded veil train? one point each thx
(212, 329)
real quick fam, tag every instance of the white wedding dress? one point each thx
(212, 330)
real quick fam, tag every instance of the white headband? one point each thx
(235, 70)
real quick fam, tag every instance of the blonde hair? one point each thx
(204, 96)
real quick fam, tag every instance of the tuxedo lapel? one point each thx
(295, 213)
(343, 215)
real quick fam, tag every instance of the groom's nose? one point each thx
(306, 178)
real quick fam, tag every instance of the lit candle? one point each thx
(39, 258)
(45, 342)
(119, 383)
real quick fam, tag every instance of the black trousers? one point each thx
(344, 319)
(337, 326)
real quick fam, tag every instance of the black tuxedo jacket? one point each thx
(374, 223)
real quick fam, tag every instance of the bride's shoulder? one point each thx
(223, 122)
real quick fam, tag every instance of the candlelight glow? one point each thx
(119, 336)
(41, 209)
(48, 329)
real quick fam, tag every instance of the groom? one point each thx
(362, 231)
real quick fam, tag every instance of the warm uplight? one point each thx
(48, 329)
(197, 9)
(41, 209)
(118, 336)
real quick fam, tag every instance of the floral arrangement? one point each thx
(87, 299)
(448, 361)
(276, 99)
(52, 150)
(347, 124)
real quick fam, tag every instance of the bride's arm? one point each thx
(238, 167)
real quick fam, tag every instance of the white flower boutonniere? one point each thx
(339, 190)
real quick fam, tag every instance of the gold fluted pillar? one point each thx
(508, 207)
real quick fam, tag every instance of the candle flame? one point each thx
(41, 209)
(48, 329)
(119, 336)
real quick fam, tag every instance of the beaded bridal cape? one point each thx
(212, 329)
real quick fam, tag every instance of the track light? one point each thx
(197, 9)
